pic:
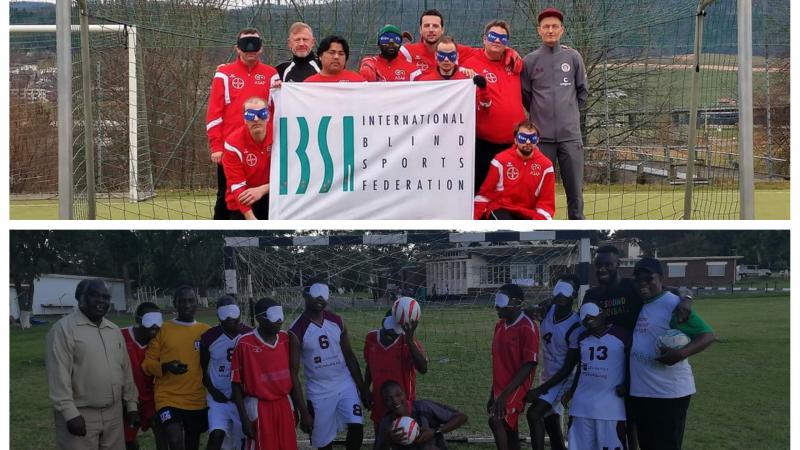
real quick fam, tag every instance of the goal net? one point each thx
(453, 275)
(635, 126)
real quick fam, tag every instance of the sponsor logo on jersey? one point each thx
(490, 77)
(197, 345)
(251, 159)
(536, 170)
(565, 67)
(512, 173)
(317, 359)
(400, 74)
(237, 82)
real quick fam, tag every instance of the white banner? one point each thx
(373, 151)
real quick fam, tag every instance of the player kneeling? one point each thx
(597, 414)
(434, 419)
(262, 382)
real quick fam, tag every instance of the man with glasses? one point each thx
(334, 51)
(89, 375)
(503, 110)
(520, 183)
(262, 382)
(387, 66)
(662, 382)
(554, 88)
(247, 163)
(234, 83)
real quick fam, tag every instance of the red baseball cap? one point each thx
(551, 12)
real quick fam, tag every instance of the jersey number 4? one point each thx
(601, 354)
(324, 342)
(547, 338)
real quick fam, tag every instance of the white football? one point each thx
(673, 339)
(406, 309)
(410, 429)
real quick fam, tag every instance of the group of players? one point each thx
(243, 385)
(514, 154)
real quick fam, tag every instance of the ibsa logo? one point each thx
(301, 153)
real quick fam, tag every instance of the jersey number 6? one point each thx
(324, 342)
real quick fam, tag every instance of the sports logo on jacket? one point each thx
(512, 173)
(536, 169)
(565, 67)
(490, 77)
(237, 82)
(251, 159)
(400, 74)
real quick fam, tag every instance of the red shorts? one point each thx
(515, 405)
(147, 412)
(274, 426)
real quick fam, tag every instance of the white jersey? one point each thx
(650, 378)
(558, 337)
(602, 369)
(324, 366)
(220, 349)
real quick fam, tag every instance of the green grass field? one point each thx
(742, 380)
(601, 202)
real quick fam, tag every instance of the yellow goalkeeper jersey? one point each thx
(177, 341)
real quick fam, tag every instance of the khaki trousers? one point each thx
(103, 430)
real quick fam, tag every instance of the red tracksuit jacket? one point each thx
(524, 187)
(246, 165)
(232, 85)
(378, 68)
(482, 96)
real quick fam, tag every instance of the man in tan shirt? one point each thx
(89, 375)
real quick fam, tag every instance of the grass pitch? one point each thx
(643, 202)
(742, 380)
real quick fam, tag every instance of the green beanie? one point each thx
(389, 29)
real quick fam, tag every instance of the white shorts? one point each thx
(596, 433)
(225, 417)
(333, 413)
(555, 394)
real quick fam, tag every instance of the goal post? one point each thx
(65, 118)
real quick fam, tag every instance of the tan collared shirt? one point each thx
(87, 366)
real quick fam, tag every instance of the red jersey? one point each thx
(425, 60)
(389, 363)
(496, 123)
(246, 164)
(344, 76)
(512, 346)
(262, 369)
(378, 68)
(144, 383)
(526, 187)
(233, 84)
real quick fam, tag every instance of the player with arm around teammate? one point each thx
(433, 418)
(216, 351)
(391, 353)
(319, 339)
(559, 329)
(515, 349)
(148, 321)
(597, 412)
(261, 382)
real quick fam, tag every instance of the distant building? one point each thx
(55, 294)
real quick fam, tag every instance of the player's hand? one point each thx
(306, 422)
(469, 73)
(408, 329)
(216, 157)
(512, 60)
(479, 81)
(498, 409)
(134, 419)
(426, 435)
(247, 429)
(276, 84)
(621, 390)
(567, 397)
(671, 356)
(683, 310)
(396, 435)
(252, 195)
(77, 426)
(408, 37)
(175, 367)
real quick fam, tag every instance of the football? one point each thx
(406, 309)
(410, 429)
(673, 339)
